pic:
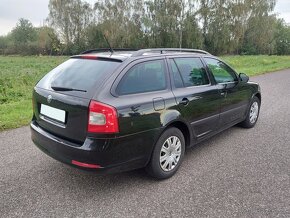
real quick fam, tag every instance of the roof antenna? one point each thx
(110, 47)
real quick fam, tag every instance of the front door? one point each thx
(235, 95)
(197, 98)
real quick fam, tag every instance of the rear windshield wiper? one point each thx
(59, 88)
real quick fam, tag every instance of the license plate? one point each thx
(52, 112)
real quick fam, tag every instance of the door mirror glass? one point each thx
(244, 77)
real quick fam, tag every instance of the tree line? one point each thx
(218, 26)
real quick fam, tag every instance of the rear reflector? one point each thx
(86, 165)
(102, 118)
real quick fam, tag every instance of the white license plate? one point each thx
(52, 112)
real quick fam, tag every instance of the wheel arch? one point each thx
(154, 165)
(173, 119)
(184, 128)
(258, 95)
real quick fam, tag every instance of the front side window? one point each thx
(221, 72)
(144, 77)
(191, 70)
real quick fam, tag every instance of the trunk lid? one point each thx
(61, 98)
(65, 116)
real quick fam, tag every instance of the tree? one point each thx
(24, 32)
(164, 21)
(259, 36)
(120, 21)
(70, 18)
(191, 33)
(94, 37)
(232, 26)
(282, 38)
(218, 26)
(5, 44)
(23, 36)
(48, 42)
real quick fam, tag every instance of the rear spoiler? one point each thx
(99, 57)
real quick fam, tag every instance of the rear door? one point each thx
(61, 99)
(198, 99)
(235, 95)
(142, 93)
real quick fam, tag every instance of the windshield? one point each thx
(79, 74)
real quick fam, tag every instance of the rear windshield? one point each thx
(82, 74)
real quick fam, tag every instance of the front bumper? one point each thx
(112, 155)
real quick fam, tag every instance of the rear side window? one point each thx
(192, 72)
(144, 77)
(81, 74)
(221, 72)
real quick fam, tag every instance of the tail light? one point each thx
(102, 118)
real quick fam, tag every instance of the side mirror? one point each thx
(243, 77)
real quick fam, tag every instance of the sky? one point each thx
(37, 11)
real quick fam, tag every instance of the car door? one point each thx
(197, 98)
(235, 94)
(142, 93)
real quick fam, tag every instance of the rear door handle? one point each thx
(184, 101)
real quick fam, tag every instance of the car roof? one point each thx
(121, 55)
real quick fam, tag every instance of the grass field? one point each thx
(18, 75)
(255, 65)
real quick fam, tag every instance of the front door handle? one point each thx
(184, 101)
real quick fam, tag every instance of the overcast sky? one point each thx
(37, 10)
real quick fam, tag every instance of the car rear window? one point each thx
(82, 74)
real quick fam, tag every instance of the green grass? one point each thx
(18, 75)
(260, 64)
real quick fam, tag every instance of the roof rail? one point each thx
(164, 50)
(107, 49)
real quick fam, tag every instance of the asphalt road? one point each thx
(239, 173)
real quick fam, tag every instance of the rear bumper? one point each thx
(111, 155)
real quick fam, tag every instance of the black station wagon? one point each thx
(116, 111)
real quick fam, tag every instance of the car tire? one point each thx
(167, 155)
(252, 114)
